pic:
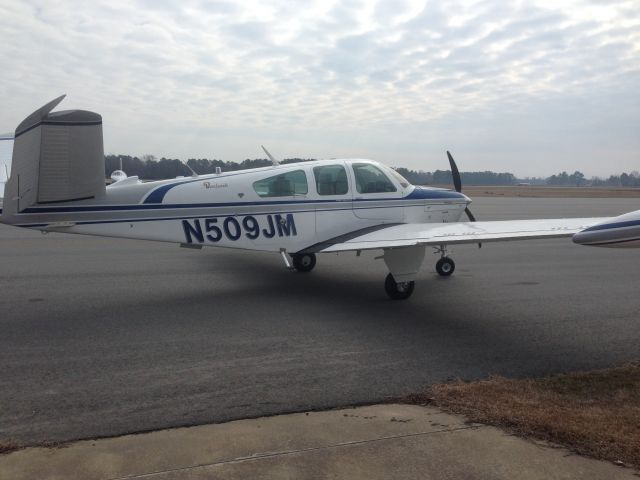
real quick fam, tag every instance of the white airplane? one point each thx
(622, 231)
(118, 175)
(297, 210)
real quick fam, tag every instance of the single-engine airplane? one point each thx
(298, 210)
(622, 231)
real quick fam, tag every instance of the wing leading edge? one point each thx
(410, 234)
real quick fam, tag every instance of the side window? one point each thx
(331, 180)
(283, 185)
(370, 179)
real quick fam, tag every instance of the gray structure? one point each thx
(6, 147)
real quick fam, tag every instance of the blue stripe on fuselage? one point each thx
(608, 226)
(417, 194)
(163, 206)
(157, 195)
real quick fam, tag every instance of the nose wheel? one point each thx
(398, 290)
(445, 266)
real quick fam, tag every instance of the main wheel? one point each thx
(445, 266)
(304, 262)
(399, 290)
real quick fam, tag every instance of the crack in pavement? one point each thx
(261, 456)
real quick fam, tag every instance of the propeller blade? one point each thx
(457, 182)
(469, 214)
(472, 219)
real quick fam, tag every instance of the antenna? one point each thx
(273, 160)
(193, 174)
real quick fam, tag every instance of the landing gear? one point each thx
(445, 266)
(304, 262)
(400, 290)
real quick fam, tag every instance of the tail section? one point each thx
(6, 147)
(57, 157)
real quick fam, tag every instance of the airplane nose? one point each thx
(593, 235)
(580, 238)
(621, 231)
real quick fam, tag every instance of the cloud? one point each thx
(396, 81)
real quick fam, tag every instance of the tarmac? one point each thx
(380, 441)
(104, 337)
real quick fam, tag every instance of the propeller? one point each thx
(457, 183)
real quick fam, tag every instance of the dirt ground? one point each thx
(549, 192)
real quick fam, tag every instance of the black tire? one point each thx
(304, 262)
(398, 291)
(445, 266)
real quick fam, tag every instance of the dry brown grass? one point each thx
(8, 446)
(595, 413)
(535, 191)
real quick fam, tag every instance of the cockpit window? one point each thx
(370, 179)
(331, 180)
(283, 185)
(403, 181)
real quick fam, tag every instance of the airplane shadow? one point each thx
(254, 291)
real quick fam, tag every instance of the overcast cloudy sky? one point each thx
(531, 87)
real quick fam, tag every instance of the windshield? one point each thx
(403, 181)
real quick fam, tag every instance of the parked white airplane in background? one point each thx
(298, 210)
(119, 174)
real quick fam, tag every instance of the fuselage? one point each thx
(290, 207)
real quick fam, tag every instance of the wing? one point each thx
(408, 234)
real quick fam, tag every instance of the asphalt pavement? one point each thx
(101, 337)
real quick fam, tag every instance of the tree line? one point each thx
(444, 177)
(149, 167)
(578, 179)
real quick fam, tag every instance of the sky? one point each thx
(528, 87)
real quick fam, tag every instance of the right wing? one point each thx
(434, 234)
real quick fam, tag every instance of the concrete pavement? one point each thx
(381, 441)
